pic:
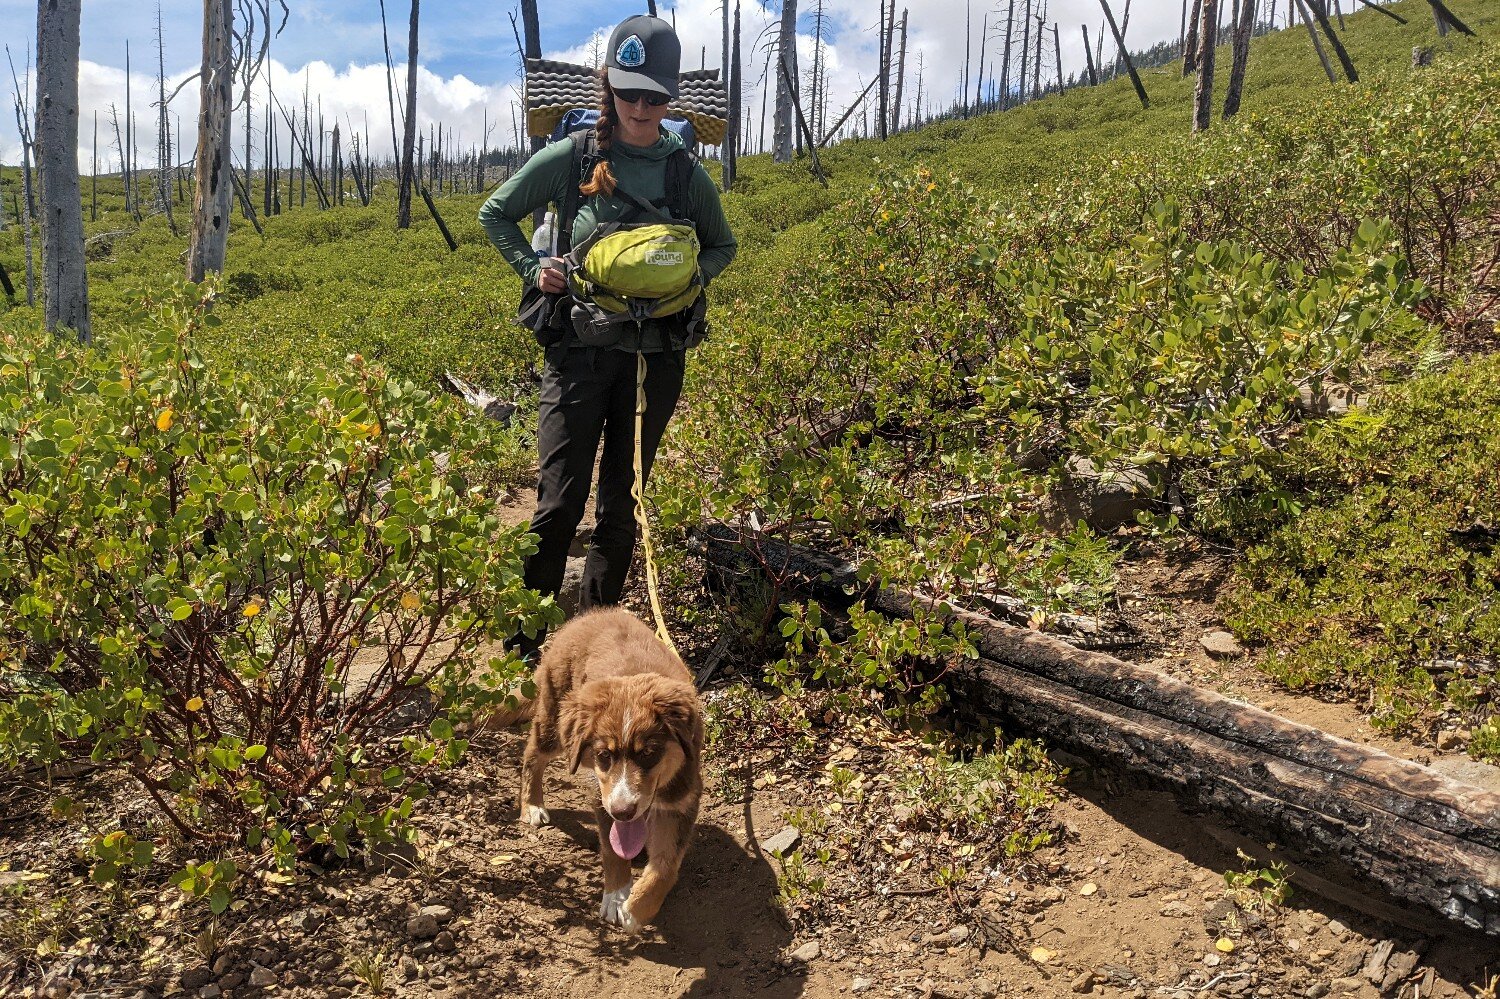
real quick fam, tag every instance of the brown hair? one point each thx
(603, 179)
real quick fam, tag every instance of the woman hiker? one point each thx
(588, 394)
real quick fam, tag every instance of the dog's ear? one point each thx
(677, 706)
(574, 731)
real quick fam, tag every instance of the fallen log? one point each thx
(1404, 828)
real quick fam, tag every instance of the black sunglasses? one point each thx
(652, 97)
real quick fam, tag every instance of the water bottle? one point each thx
(544, 239)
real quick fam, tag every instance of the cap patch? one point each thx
(631, 53)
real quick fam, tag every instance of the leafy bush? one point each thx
(1388, 587)
(269, 606)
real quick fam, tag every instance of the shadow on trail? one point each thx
(1458, 956)
(719, 933)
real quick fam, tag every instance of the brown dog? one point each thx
(609, 692)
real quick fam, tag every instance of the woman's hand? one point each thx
(550, 278)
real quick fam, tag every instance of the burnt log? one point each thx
(1393, 825)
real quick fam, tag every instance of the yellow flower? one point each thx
(253, 607)
(164, 420)
(410, 601)
(195, 704)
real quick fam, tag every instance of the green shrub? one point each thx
(269, 606)
(1388, 586)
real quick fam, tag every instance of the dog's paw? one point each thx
(612, 906)
(535, 815)
(628, 920)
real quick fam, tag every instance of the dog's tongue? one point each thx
(628, 838)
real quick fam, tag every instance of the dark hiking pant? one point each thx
(589, 395)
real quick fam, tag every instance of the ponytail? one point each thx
(603, 179)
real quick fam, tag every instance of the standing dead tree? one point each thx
(1010, 27)
(1135, 79)
(409, 134)
(1088, 57)
(1244, 24)
(1312, 33)
(1320, 11)
(163, 133)
(900, 76)
(1203, 93)
(65, 279)
(212, 186)
(786, 59)
(25, 210)
(1190, 44)
(1445, 18)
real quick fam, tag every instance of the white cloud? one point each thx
(936, 40)
(347, 97)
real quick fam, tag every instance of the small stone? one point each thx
(1212, 960)
(409, 967)
(422, 927)
(1084, 982)
(985, 989)
(307, 920)
(1221, 644)
(222, 964)
(807, 952)
(195, 978)
(261, 977)
(444, 942)
(1088, 889)
(1448, 739)
(1337, 928)
(861, 985)
(958, 934)
(783, 842)
(210, 991)
(1177, 910)
(1347, 984)
(233, 980)
(442, 913)
(1317, 990)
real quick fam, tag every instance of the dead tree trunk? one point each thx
(1088, 56)
(900, 76)
(24, 209)
(164, 134)
(1446, 17)
(1135, 79)
(1190, 47)
(212, 187)
(65, 280)
(1203, 92)
(1312, 33)
(1320, 11)
(736, 100)
(984, 35)
(1244, 24)
(786, 58)
(1010, 27)
(1025, 52)
(409, 135)
(1396, 826)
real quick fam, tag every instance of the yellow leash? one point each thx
(636, 488)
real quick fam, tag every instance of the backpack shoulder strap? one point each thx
(680, 166)
(585, 155)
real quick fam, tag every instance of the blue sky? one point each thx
(467, 51)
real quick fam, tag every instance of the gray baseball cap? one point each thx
(644, 54)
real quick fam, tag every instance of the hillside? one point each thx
(1066, 363)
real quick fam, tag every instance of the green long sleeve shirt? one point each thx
(640, 170)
